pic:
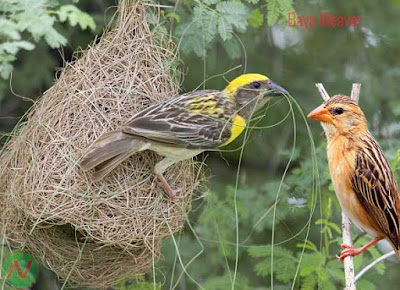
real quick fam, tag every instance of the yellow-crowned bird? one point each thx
(183, 127)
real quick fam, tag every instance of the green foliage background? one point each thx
(289, 224)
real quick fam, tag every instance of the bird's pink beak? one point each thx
(321, 114)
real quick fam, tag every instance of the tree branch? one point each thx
(349, 260)
(322, 91)
(367, 268)
(355, 92)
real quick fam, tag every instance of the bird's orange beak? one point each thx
(321, 114)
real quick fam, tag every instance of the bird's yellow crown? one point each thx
(243, 80)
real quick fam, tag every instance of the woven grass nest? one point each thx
(94, 233)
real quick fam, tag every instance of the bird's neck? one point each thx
(354, 134)
(342, 145)
(247, 109)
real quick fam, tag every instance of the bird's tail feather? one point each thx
(110, 150)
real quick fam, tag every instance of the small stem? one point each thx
(346, 231)
(355, 92)
(349, 260)
(322, 91)
(367, 268)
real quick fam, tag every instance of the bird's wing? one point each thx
(376, 188)
(199, 119)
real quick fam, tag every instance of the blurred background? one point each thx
(278, 200)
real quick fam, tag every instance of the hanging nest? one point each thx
(93, 233)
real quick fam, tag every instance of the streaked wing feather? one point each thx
(376, 188)
(176, 122)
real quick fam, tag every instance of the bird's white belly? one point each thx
(175, 152)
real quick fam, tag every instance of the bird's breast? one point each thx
(341, 159)
(238, 125)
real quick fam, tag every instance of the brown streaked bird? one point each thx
(183, 127)
(361, 175)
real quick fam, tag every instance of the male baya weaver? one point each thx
(361, 175)
(183, 127)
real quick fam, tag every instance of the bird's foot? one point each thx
(172, 192)
(348, 251)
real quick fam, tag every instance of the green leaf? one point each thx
(55, 39)
(395, 165)
(259, 251)
(285, 7)
(309, 282)
(310, 263)
(285, 263)
(5, 70)
(336, 274)
(38, 26)
(33, 19)
(173, 15)
(335, 227)
(206, 21)
(136, 284)
(273, 12)
(256, 18)
(225, 28)
(9, 29)
(308, 245)
(278, 8)
(13, 47)
(365, 285)
(232, 48)
(76, 16)
(328, 285)
(225, 282)
(234, 13)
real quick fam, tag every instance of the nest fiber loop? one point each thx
(94, 233)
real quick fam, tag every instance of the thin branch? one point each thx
(367, 268)
(346, 231)
(355, 92)
(349, 260)
(157, 5)
(322, 91)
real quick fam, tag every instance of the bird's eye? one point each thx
(256, 85)
(339, 111)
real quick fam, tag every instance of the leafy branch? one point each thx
(25, 22)
(200, 23)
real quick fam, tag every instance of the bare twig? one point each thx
(346, 232)
(322, 91)
(355, 92)
(371, 265)
(349, 260)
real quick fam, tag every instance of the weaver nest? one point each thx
(94, 233)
